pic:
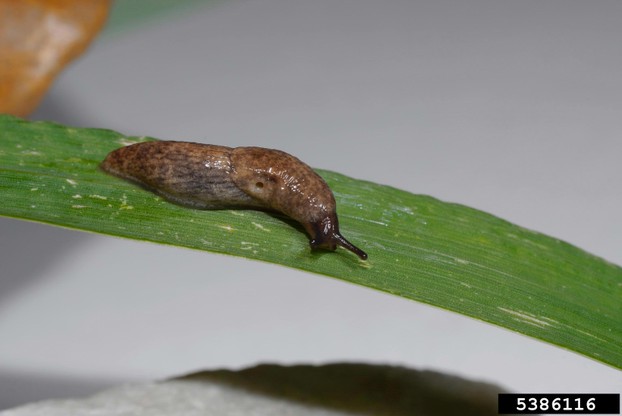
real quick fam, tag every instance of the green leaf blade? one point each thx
(420, 248)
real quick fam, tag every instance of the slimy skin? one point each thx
(206, 176)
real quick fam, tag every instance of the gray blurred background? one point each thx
(512, 107)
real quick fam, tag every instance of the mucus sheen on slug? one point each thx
(206, 176)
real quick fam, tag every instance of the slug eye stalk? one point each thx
(325, 235)
(339, 240)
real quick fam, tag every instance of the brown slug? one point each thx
(206, 176)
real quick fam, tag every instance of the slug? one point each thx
(206, 176)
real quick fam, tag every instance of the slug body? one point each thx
(208, 176)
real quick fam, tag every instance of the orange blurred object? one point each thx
(37, 39)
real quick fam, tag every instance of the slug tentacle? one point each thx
(325, 234)
(212, 177)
